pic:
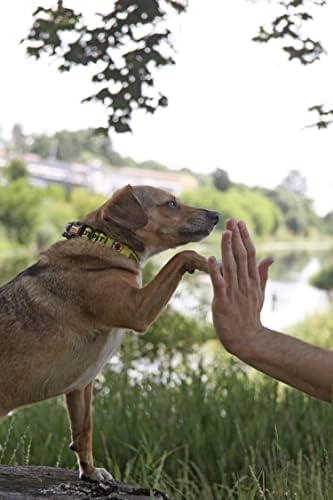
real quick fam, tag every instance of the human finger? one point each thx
(250, 250)
(240, 255)
(229, 262)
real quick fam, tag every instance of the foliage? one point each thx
(292, 207)
(127, 42)
(84, 203)
(316, 329)
(16, 169)
(295, 182)
(19, 203)
(84, 146)
(221, 180)
(288, 28)
(5, 245)
(18, 142)
(297, 210)
(191, 433)
(154, 165)
(324, 278)
(38, 215)
(11, 266)
(172, 332)
(42, 145)
(261, 215)
(124, 47)
(76, 146)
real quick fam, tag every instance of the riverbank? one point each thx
(296, 245)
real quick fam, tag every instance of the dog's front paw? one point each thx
(99, 475)
(192, 261)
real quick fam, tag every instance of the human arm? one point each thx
(238, 299)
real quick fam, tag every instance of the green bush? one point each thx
(323, 279)
(16, 169)
(19, 203)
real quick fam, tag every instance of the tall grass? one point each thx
(200, 434)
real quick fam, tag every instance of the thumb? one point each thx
(263, 271)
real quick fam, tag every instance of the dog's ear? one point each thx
(125, 210)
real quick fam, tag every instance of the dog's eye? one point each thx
(171, 204)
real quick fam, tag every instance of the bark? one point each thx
(35, 482)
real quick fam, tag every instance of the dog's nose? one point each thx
(214, 216)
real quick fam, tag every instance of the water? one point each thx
(290, 302)
(289, 296)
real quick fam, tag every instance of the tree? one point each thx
(127, 43)
(221, 179)
(41, 145)
(261, 215)
(18, 139)
(124, 47)
(19, 203)
(83, 146)
(296, 208)
(288, 28)
(153, 165)
(295, 182)
(79, 145)
(16, 169)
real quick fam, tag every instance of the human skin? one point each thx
(238, 299)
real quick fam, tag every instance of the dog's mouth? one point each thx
(196, 234)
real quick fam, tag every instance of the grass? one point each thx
(210, 434)
(213, 433)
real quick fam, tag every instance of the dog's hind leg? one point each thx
(79, 407)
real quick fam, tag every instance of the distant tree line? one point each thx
(285, 209)
(81, 146)
(282, 211)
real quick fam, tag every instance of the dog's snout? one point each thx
(214, 217)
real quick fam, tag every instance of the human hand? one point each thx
(240, 292)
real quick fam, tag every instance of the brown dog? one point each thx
(62, 318)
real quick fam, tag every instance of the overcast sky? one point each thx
(233, 104)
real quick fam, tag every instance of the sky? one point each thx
(233, 104)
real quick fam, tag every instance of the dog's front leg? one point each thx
(151, 299)
(79, 407)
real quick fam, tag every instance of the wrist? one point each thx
(248, 347)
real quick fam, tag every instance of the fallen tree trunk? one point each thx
(35, 482)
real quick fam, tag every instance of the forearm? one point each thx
(292, 361)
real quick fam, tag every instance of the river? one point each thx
(289, 296)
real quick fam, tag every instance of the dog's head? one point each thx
(151, 220)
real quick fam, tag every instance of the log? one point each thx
(30, 482)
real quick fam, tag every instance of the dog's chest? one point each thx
(102, 356)
(99, 353)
